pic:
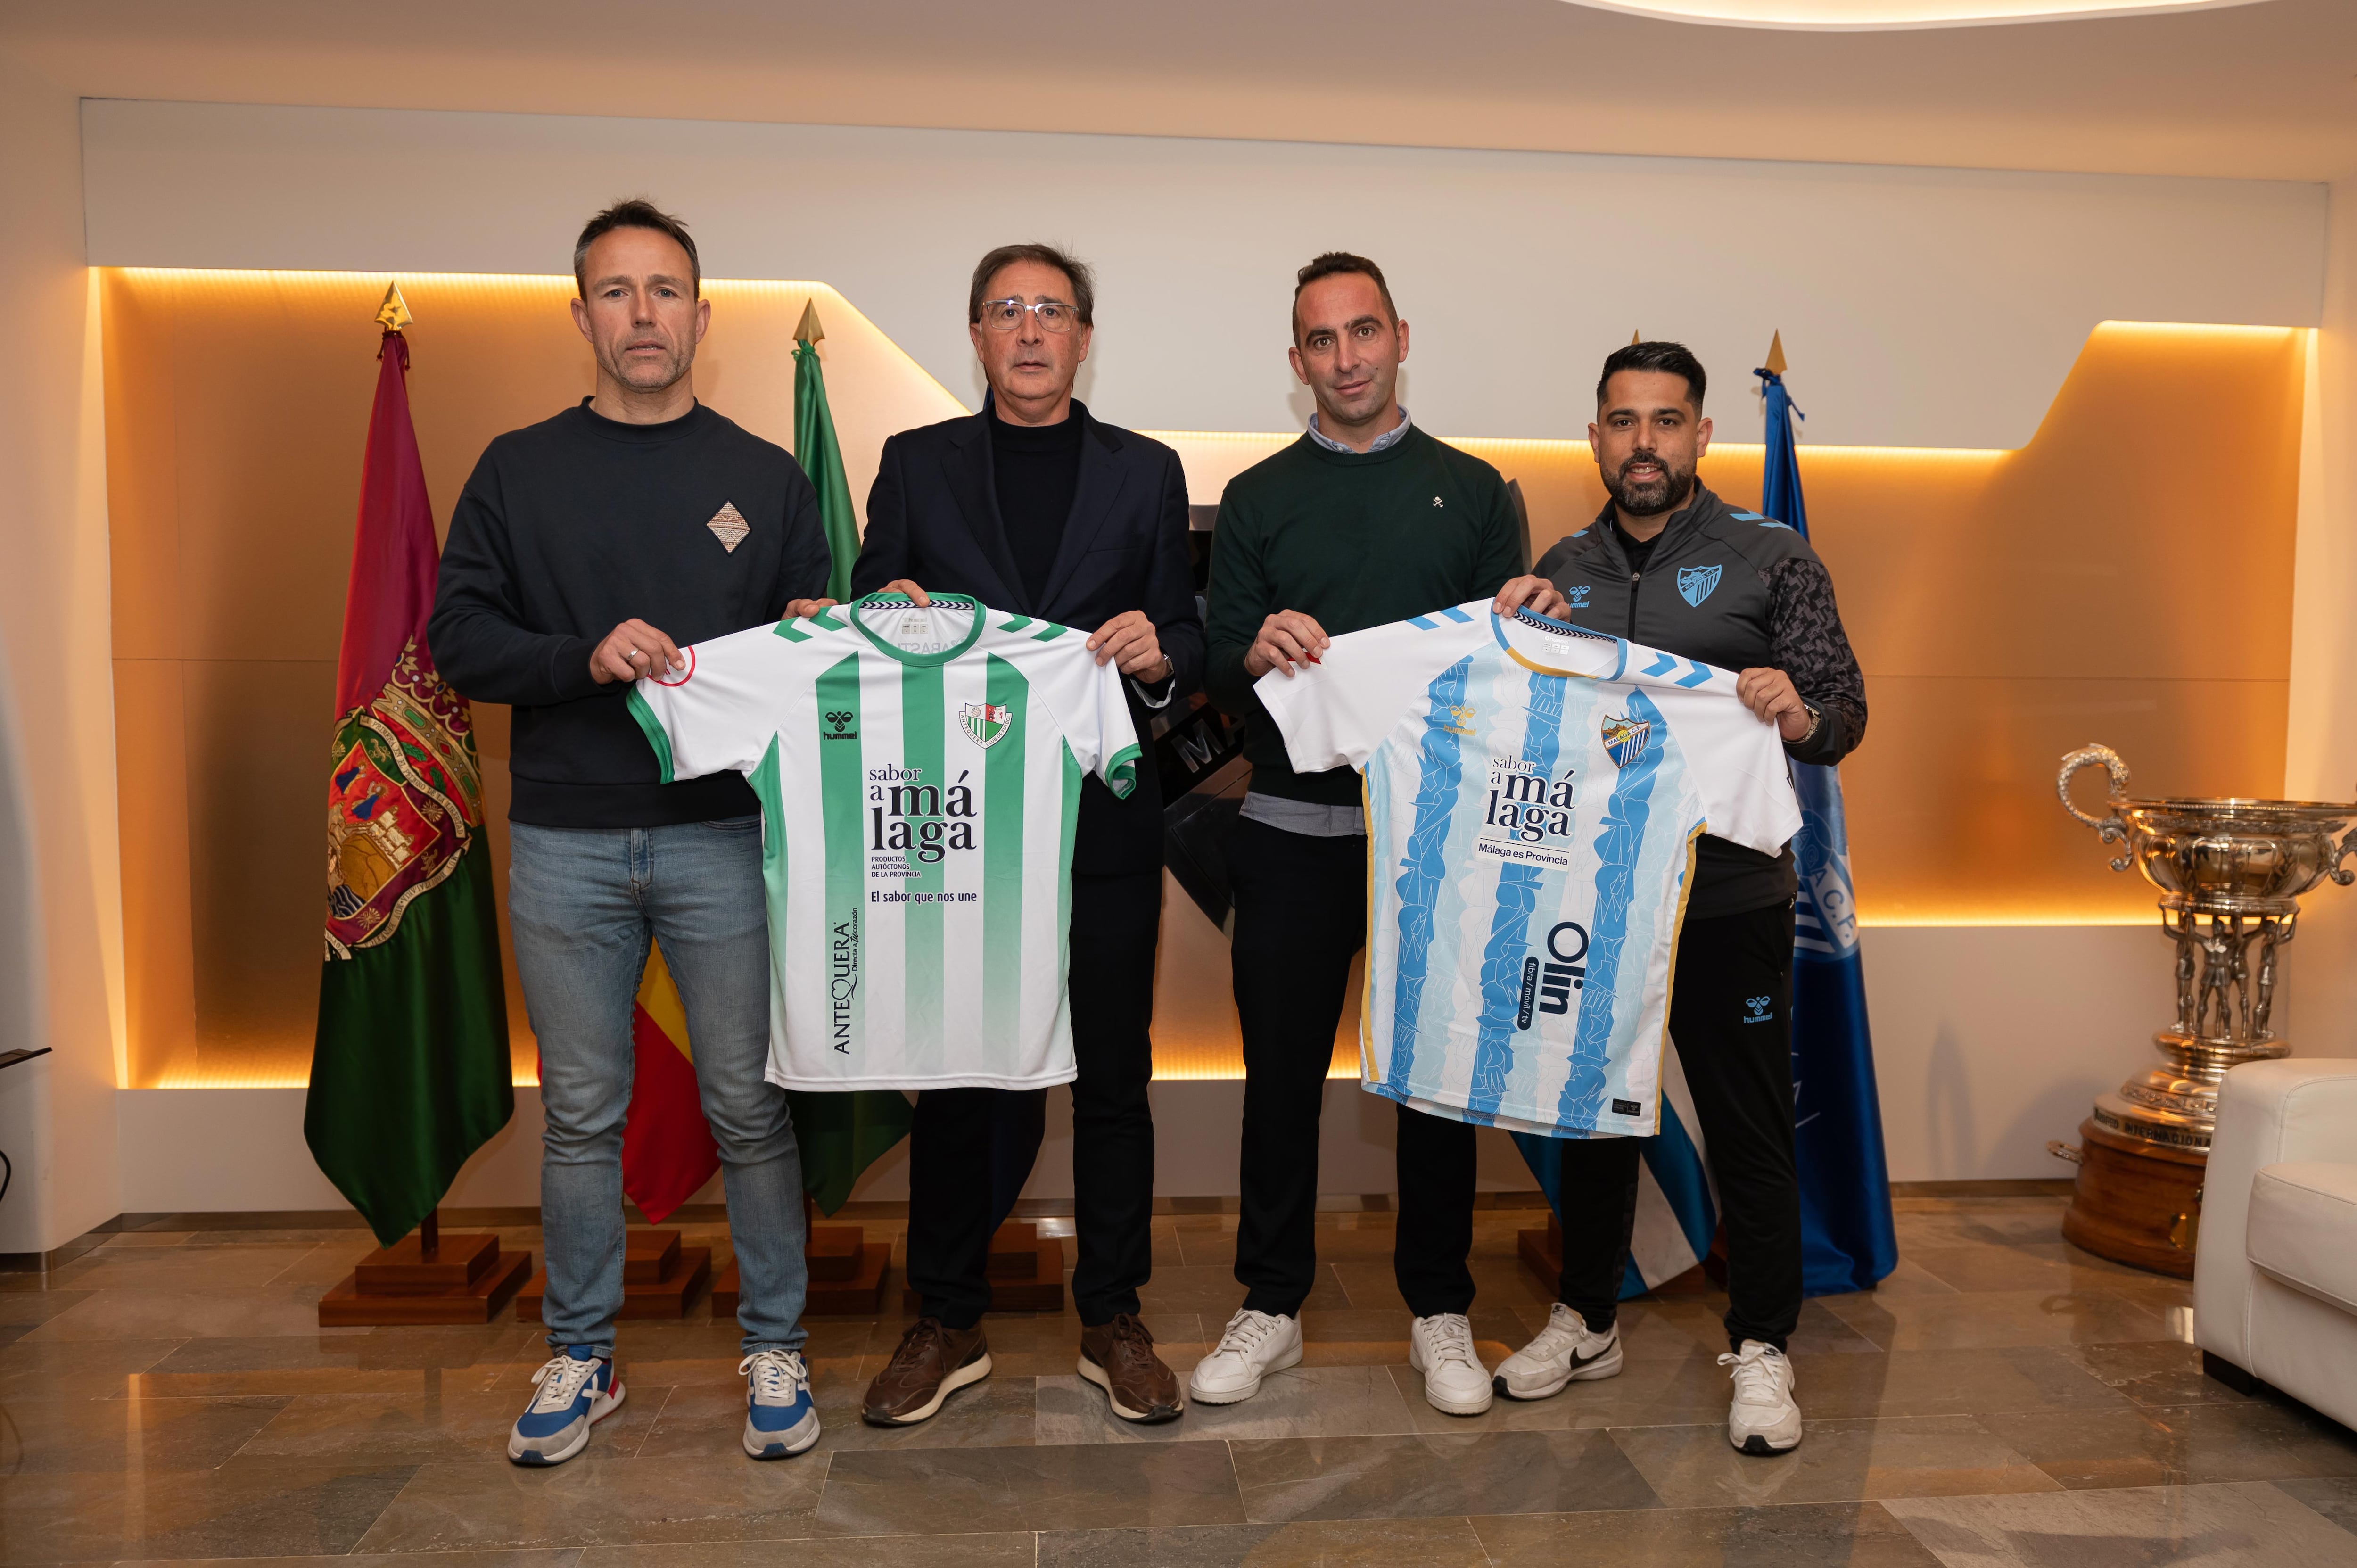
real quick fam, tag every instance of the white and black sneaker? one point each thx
(1441, 1347)
(1253, 1344)
(1763, 1420)
(1566, 1352)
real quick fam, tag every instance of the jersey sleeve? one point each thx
(721, 713)
(1736, 760)
(1087, 701)
(1335, 713)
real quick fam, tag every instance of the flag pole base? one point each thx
(846, 1275)
(660, 1279)
(459, 1279)
(1026, 1273)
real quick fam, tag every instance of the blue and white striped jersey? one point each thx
(1534, 791)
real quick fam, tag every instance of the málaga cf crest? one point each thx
(1696, 583)
(985, 724)
(1625, 739)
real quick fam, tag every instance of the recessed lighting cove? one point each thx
(1884, 15)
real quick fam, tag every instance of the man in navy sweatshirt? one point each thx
(586, 551)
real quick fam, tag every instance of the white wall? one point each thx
(1920, 307)
(1950, 303)
(1988, 1042)
(2320, 763)
(61, 902)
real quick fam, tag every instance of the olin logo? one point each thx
(1547, 987)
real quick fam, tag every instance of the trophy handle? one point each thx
(2111, 828)
(2341, 873)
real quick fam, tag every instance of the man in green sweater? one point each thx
(1364, 521)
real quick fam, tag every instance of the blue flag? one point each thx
(1847, 1242)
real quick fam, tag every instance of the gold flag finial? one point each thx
(393, 314)
(1776, 354)
(808, 331)
(1637, 336)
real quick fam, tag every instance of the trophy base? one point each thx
(2136, 1202)
(2175, 1105)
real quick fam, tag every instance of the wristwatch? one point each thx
(1816, 722)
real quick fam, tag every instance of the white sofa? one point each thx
(2275, 1271)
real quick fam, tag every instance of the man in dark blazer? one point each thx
(1035, 506)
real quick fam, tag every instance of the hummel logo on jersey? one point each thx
(841, 724)
(1576, 598)
(1624, 739)
(729, 527)
(1435, 500)
(1460, 719)
(1696, 584)
(1757, 1010)
(985, 724)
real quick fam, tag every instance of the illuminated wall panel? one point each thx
(2125, 578)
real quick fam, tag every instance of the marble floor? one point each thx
(2003, 1398)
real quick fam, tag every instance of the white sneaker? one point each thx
(1253, 1344)
(1764, 1419)
(1564, 1353)
(1441, 1347)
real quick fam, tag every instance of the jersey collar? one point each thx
(884, 601)
(1562, 629)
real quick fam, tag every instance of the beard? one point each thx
(1650, 497)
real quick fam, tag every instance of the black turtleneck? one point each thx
(1037, 467)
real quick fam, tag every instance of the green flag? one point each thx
(820, 454)
(840, 1134)
(409, 1071)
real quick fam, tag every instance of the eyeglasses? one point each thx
(1006, 315)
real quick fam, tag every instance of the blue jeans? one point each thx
(584, 903)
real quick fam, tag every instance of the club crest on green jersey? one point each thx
(985, 724)
(1625, 739)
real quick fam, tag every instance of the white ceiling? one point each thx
(2265, 89)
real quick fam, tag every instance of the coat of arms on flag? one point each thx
(1625, 739)
(985, 723)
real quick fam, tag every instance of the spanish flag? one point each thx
(667, 1149)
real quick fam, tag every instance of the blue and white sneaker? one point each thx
(577, 1390)
(781, 1417)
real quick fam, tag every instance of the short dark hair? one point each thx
(1670, 358)
(636, 212)
(1332, 263)
(1085, 282)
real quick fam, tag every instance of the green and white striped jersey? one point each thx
(920, 777)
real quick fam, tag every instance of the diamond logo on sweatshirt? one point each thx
(729, 527)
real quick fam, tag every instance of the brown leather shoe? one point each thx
(1118, 1357)
(932, 1362)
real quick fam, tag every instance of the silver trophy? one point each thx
(2230, 873)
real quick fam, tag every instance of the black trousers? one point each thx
(1731, 1016)
(1115, 921)
(1300, 915)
